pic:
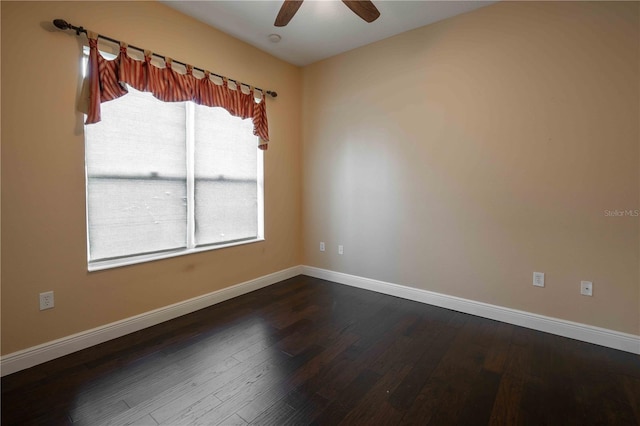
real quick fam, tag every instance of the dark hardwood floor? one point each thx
(308, 351)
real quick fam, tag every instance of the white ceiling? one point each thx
(321, 28)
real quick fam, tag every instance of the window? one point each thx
(165, 179)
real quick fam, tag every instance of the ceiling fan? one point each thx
(363, 8)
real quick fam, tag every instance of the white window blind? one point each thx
(136, 177)
(167, 177)
(226, 192)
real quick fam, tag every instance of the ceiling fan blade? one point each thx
(364, 9)
(288, 9)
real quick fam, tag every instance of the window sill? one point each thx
(143, 258)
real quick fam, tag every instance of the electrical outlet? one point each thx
(538, 279)
(46, 300)
(340, 249)
(321, 246)
(586, 288)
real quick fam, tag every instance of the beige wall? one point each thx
(43, 198)
(463, 156)
(457, 158)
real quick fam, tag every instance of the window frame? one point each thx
(192, 248)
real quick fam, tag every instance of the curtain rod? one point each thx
(64, 25)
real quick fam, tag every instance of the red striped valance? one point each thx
(107, 80)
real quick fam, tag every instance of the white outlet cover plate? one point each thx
(46, 300)
(538, 279)
(586, 288)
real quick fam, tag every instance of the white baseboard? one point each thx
(586, 333)
(30, 357)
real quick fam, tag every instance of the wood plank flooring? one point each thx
(308, 351)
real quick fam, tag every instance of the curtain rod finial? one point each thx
(272, 94)
(62, 24)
